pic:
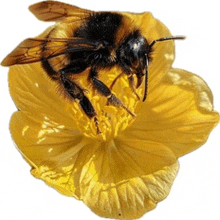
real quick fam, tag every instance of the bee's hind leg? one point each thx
(76, 92)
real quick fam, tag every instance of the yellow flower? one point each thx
(125, 171)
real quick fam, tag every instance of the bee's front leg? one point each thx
(131, 84)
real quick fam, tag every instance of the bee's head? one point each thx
(134, 55)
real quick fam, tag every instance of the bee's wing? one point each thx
(56, 11)
(34, 50)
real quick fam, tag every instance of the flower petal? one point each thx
(121, 181)
(178, 113)
(36, 95)
(39, 140)
(132, 198)
(117, 179)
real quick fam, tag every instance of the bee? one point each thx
(92, 41)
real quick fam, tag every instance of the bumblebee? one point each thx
(90, 41)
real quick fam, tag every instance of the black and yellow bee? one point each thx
(91, 41)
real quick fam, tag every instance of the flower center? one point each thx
(111, 119)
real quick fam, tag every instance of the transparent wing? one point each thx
(34, 50)
(56, 11)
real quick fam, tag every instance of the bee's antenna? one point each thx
(146, 86)
(150, 46)
(167, 38)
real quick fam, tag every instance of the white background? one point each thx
(196, 190)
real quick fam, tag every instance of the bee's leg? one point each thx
(74, 68)
(114, 81)
(105, 91)
(131, 84)
(76, 92)
(126, 70)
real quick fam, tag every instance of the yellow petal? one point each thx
(117, 179)
(39, 140)
(35, 94)
(178, 113)
(133, 198)
(121, 181)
